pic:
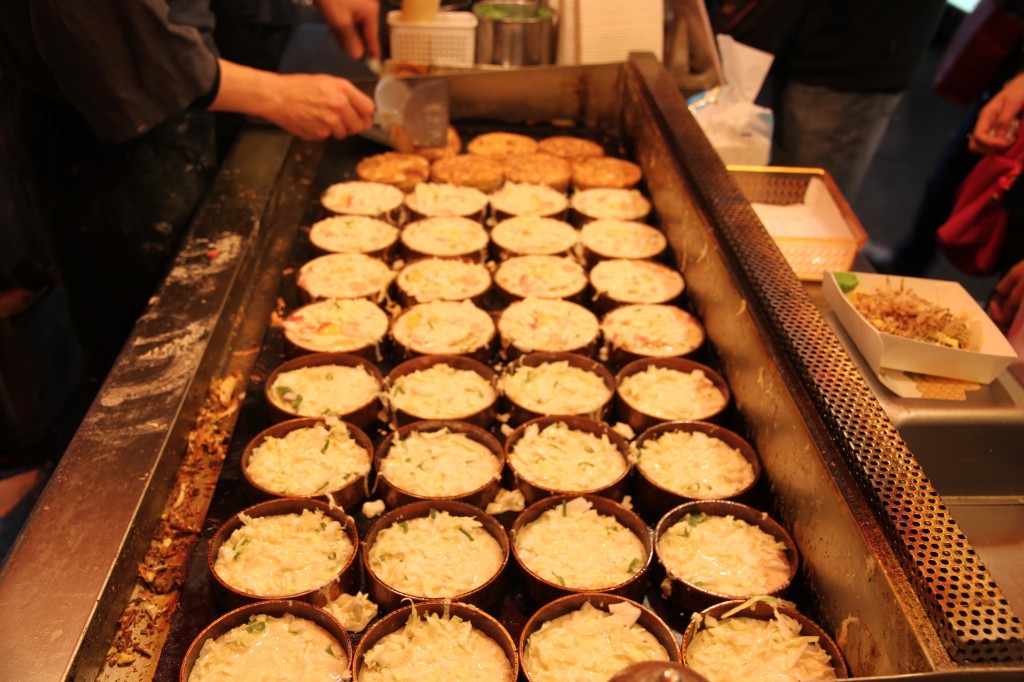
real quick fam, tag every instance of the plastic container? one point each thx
(449, 40)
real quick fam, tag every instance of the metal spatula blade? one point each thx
(418, 104)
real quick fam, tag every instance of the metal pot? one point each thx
(514, 32)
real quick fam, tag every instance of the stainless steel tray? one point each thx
(889, 573)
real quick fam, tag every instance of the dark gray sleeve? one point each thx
(125, 64)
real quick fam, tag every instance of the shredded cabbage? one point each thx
(267, 645)
(590, 645)
(754, 650)
(441, 392)
(435, 649)
(439, 463)
(308, 461)
(672, 394)
(575, 546)
(723, 554)
(560, 457)
(439, 555)
(283, 554)
(556, 388)
(694, 464)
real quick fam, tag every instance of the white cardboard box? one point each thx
(982, 364)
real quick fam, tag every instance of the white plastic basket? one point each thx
(449, 40)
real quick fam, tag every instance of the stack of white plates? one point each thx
(601, 31)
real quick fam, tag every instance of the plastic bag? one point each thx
(738, 129)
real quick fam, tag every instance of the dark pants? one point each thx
(110, 216)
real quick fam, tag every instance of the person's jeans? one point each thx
(818, 127)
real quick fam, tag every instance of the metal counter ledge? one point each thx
(972, 452)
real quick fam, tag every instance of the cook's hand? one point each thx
(312, 106)
(316, 107)
(1006, 299)
(354, 24)
(996, 128)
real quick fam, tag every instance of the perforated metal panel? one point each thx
(965, 606)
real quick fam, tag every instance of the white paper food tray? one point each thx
(806, 214)
(990, 355)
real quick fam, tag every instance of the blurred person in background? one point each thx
(840, 69)
(983, 54)
(105, 117)
(107, 145)
(996, 130)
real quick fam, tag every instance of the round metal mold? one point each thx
(403, 350)
(613, 489)
(639, 420)
(593, 255)
(483, 417)
(605, 299)
(580, 213)
(573, 602)
(276, 608)
(372, 350)
(541, 590)
(513, 347)
(307, 295)
(656, 498)
(396, 496)
(621, 354)
(519, 413)
(344, 581)
(657, 671)
(409, 298)
(392, 212)
(688, 595)
(361, 416)
(503, 251)
(347, 496)
(507, 295)
(765, 611)
(411, 251)
(415, 212)
(322, 244)
(396, 620)
(390, 598)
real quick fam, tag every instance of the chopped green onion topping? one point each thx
(466, 533)
(633, 565)
(256, 626)
(405, 526)
(696, 519)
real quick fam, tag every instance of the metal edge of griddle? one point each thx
(975, 622)
(850, 579)
(583, 93)
(66, 578)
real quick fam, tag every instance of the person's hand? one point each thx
(315, 107)
(1007, 297)
(354, 24)
(996, 128)
(312, 106)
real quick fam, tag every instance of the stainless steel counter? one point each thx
(972, 451)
